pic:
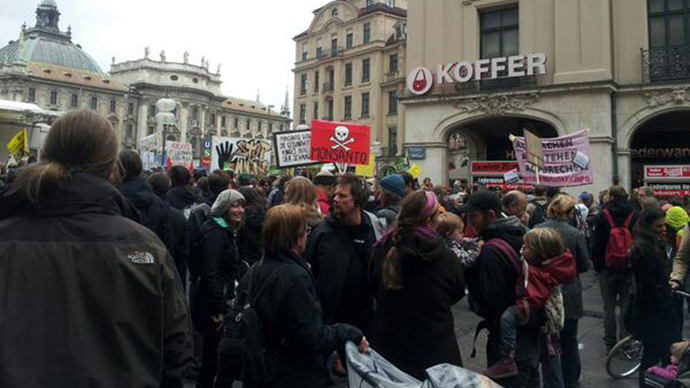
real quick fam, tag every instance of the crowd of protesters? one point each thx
(113, 276)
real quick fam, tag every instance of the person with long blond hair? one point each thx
(301, 192)
(416, 279)
(91, 298)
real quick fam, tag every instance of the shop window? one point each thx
(303, 114)
(393, 103)
(500, 38)
(365, 104)
(366, 67)
(348, 107)
(392, 141)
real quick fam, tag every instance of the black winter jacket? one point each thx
(249, 242)
(91, 298)
(217, 268)
(181, 197)
(619, 209)
(574, 240)
(413, 326)
(293, 317)
(654, 312)
(168, 223)
(340, 256)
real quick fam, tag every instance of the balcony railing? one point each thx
(303, 92)
(328, 86)
(392, 76)
(665, 63)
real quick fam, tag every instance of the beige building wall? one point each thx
(594, 78)
(336, 20)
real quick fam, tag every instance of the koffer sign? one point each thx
(421, 79)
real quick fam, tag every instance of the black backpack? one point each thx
(242, 351)
(538, 216)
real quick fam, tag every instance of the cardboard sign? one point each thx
(293, 148)
(415, 171)
(340, 143)
(511, 176)
(534, 149)
(249, 156)
(180, 154)
(560, 166)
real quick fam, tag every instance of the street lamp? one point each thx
(165, 117)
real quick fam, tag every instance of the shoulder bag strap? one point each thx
(609, 218)
(628, 220)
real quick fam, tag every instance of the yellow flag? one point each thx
(415, 170)
(19, 145)
(368, 170)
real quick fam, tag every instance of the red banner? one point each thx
(667, 171)
(340, 142)
(493, 168)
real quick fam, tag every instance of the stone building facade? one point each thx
(349, 67)
(43, 66)
(619, 68)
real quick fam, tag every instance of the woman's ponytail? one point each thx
(37, 180)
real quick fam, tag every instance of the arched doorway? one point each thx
(662, 140)
(488, 139)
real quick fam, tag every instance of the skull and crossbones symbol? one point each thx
(342, 133)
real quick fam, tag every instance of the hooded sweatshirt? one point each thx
(181, 197)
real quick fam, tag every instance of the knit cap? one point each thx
(225, 199)
(677, 217)
(395, 184)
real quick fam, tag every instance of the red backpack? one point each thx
(620, 240)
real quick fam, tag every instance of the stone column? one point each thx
(143, 114)
(202, 119)
(219, 117)
(183, 112)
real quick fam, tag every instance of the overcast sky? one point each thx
(252, 39)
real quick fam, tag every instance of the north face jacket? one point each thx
(90, 298)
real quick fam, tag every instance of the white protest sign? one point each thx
(180, 154)
(511, 176)
(292, 148)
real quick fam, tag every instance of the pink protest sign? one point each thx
(566, 161)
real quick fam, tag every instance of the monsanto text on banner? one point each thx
(340, 143)
(563, 161)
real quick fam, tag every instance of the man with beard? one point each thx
(491, 283)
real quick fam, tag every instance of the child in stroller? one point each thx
(671, 375)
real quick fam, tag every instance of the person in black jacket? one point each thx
(217, 274)
(182, 195)
(416, 279)
(654, 319)
(168, 223)
(614, 284)
(249, 242)
(491, 284)
(91, 297)
(290, 310)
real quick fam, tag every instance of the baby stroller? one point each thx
(681, 381)
(373, 371)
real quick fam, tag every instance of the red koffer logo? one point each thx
(420, 81)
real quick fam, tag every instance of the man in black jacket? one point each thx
(339, 251)
(491, 283)
(614, 284)
(181, 195)
(168, 223)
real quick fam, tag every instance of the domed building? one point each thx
(43, 66)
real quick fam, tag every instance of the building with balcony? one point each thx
(349, 67)
(480, 70)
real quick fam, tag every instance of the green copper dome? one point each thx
(45, 50)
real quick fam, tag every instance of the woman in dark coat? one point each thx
(560, 214)
(416, 279)
(289, 309)
(249, 235)
(654, 321)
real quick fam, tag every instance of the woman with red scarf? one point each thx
(415, 280)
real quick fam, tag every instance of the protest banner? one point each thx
(367, 171)
(19, 144)
(292, 148)
(149, 148)
(566, 161)
(180, 154)
(249, 156)
(340, 143)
